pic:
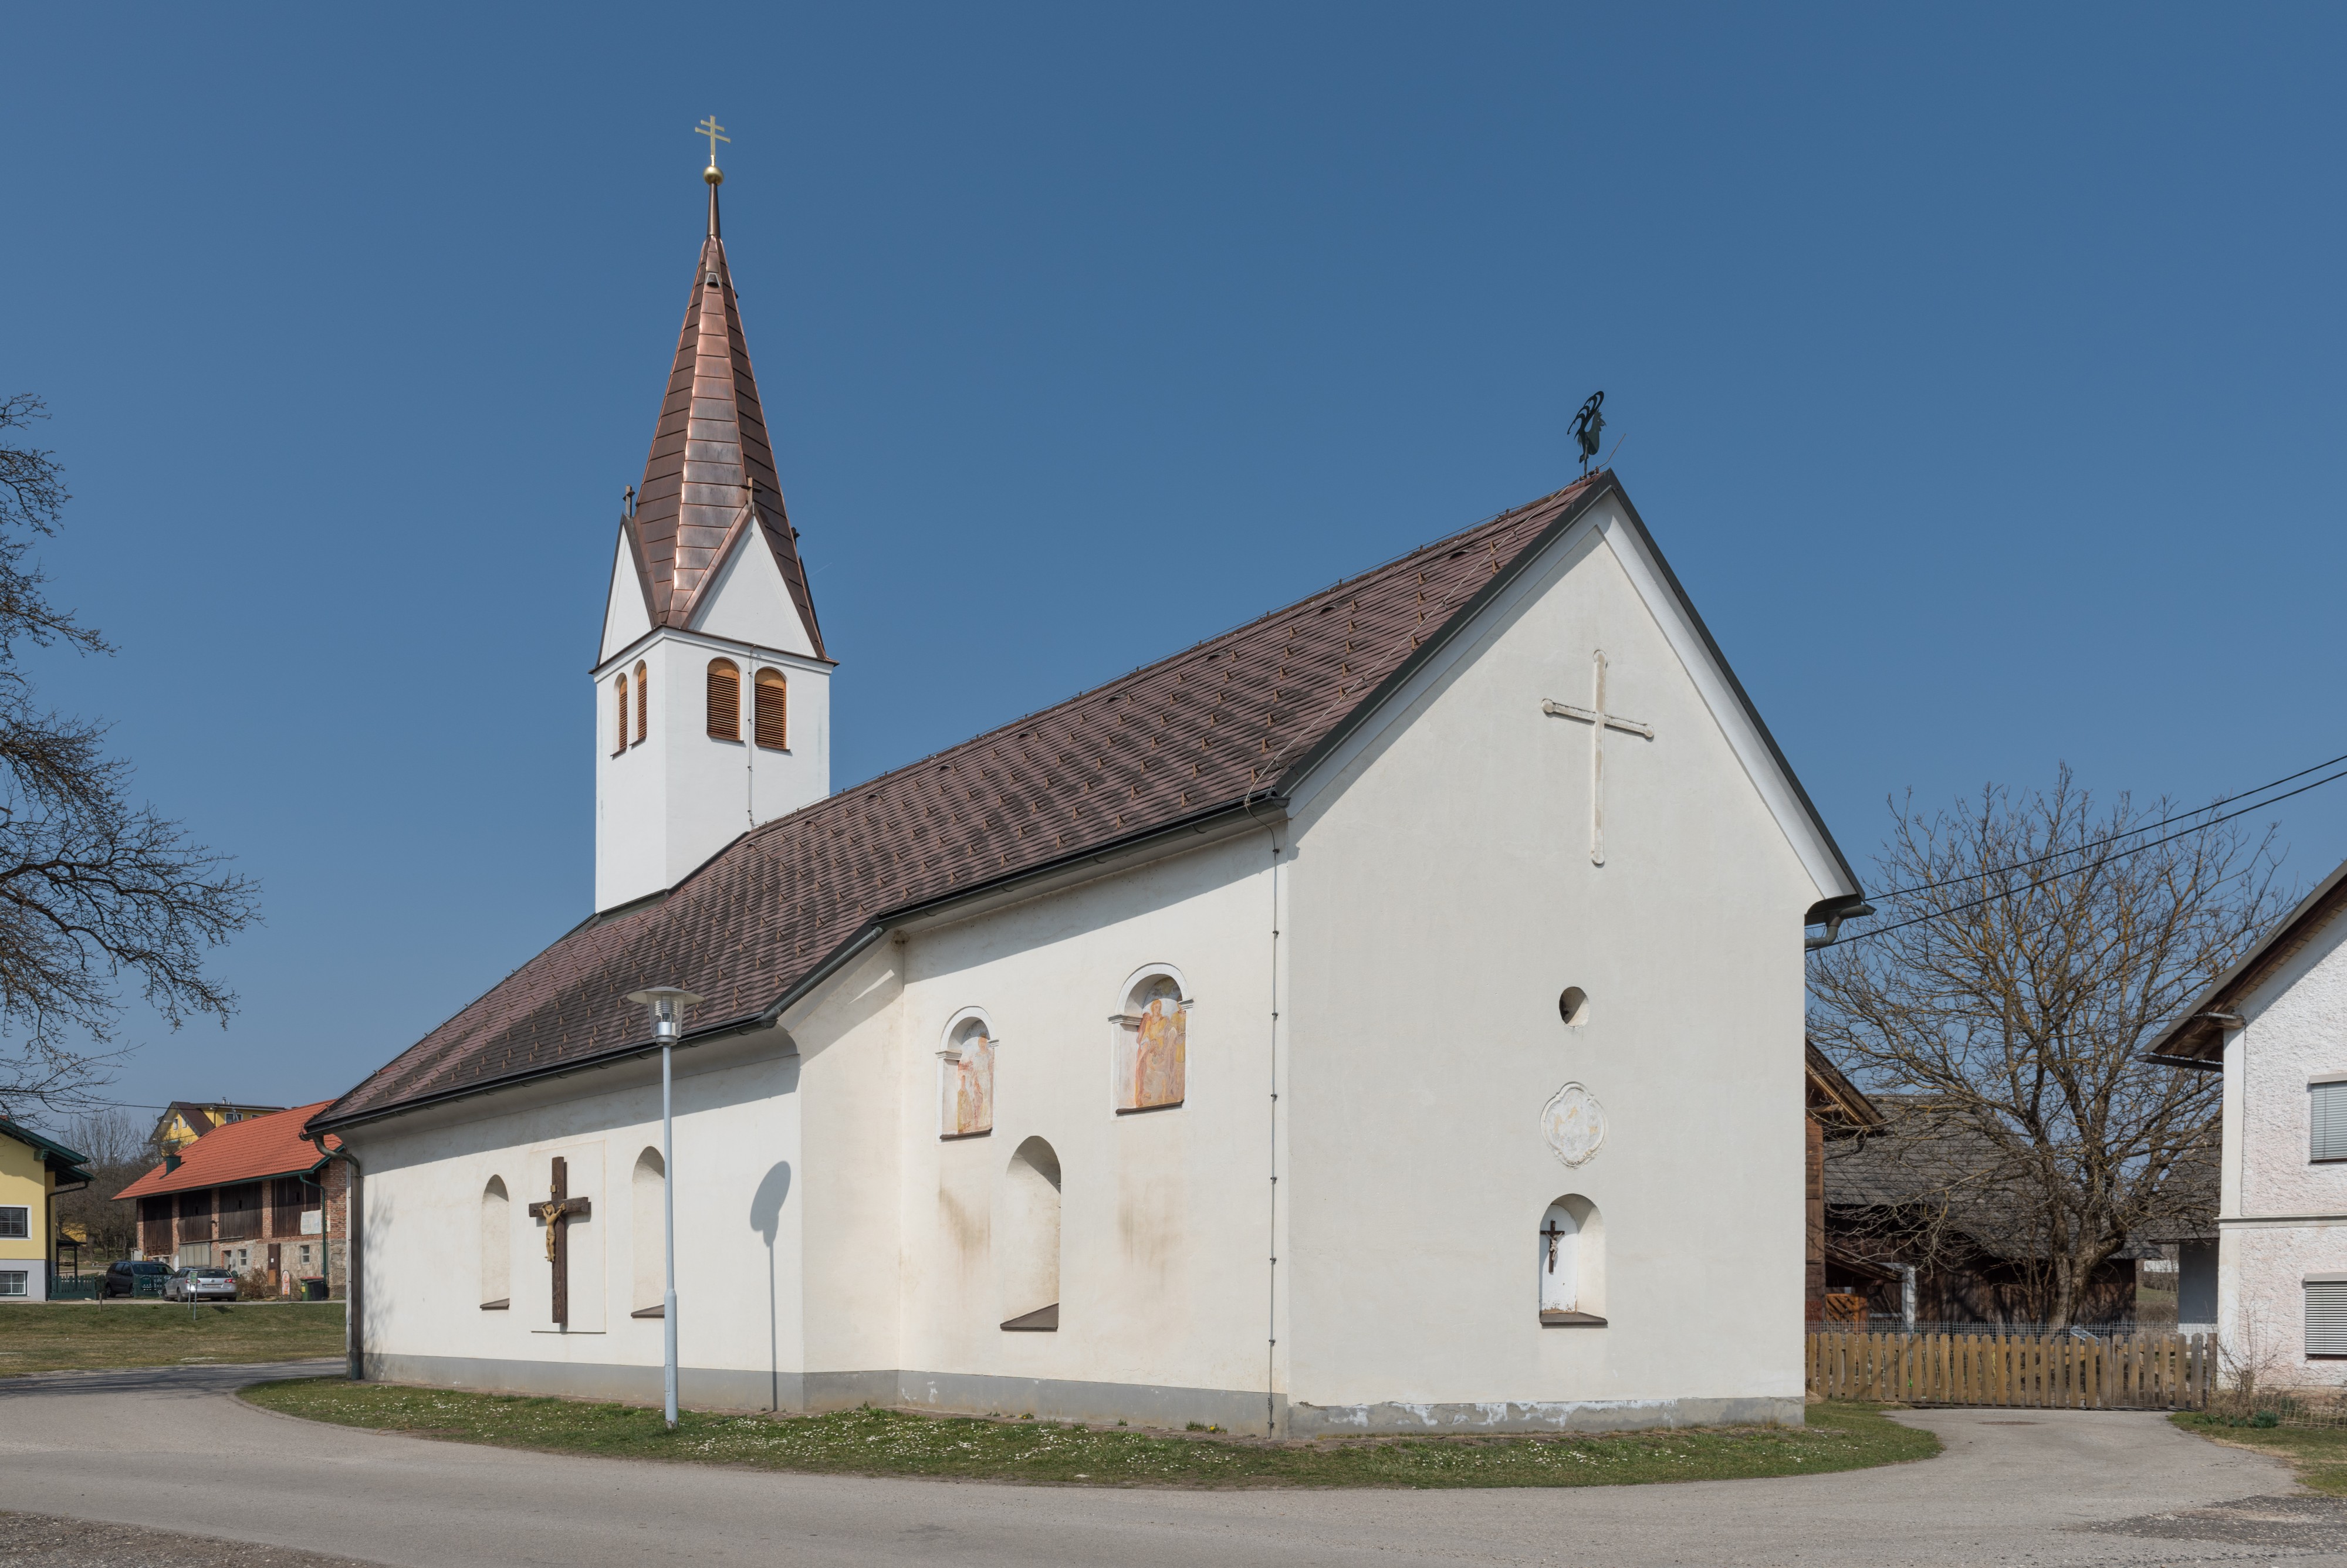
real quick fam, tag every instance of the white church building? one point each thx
(1384, 1015)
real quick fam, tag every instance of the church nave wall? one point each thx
(428, 1193)
(1161, 1202)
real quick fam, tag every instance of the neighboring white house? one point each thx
(1385, 1016)
(2276, 1026)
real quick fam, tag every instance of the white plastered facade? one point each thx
(2281, 1215)
(666, 802)
(1336, 1229)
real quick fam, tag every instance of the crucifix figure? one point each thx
(1555, 1233)
(1599, 720)
(557, 1212)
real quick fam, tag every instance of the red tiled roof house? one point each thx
(253, 1195)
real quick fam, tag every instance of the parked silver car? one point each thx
(201, 1284)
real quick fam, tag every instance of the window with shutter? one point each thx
(724, 701)
(620, 744)
(773, 710)
(2327, 1114)
(2326, 1317)
(643, 699)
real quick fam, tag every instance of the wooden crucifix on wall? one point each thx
(557, 1211)
(1599, 720)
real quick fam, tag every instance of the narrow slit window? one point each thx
(724, 699)
(621, 744)
(773, 694)
(643, 702)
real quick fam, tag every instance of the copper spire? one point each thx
(711, 473)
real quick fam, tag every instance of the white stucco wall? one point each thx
(1439, 903)
(2283, 1217)
(737, 1130)
(1164, 1213)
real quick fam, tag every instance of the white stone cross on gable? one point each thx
(1599, 720)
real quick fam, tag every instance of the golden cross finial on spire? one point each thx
(715, 133)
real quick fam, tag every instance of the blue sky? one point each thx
(1979, 370)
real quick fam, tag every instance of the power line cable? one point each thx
(2011, 891)
(2113, 838)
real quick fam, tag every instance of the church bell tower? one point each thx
(712, 707)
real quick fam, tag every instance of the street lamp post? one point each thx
(666, 1005)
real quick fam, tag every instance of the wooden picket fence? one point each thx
(2151, 1371)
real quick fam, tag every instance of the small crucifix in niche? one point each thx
(1555, 1233)
(557, 1211)
(1599, 720)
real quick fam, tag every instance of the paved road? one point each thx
(170, 1449)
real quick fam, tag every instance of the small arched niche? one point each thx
(1572, 1264)
(1572, 1006)
(966, 1076)
(496, 1246)
(1152, 1040)
(1027, 1254)
(648, 1229)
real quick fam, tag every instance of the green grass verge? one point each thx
(52, 1336)
(2318, 1453)
(894, 1442)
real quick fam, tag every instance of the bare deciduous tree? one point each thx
(94, 887)
(2027, 953)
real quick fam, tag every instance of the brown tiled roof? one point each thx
(243, 1151)
(709, 444)
(1241, 715)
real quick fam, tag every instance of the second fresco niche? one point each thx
(966, 1078)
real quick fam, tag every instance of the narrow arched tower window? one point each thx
(643, 701)
(724, 699)
(773, 696)
(620, 743)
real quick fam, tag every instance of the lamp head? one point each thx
(666, 1004)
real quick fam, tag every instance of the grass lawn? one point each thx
(49, 1336)
(893, 1442)
(2319, 1453)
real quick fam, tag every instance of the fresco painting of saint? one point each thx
(1157, 1065)
(973, 1106)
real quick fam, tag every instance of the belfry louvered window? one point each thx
(643, 701)
(2326, 1317)
(2327, 1114)
(773, 703)
(724, 701)
(620, 740)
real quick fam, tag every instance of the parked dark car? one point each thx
(134, 1276)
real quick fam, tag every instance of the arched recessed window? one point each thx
(619, 741)
(1152, 1027)
(643, 701)
(966, 1080)
(1572, 1263)
(1027, 1252)
(497, 1248)
(649, 1235)
(724, 701)
(771, 696)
